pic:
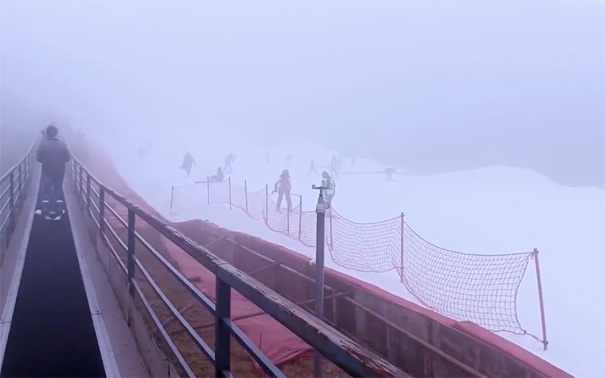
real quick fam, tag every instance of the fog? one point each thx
(429, 86)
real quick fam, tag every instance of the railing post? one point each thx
(402, 247)
(300, 212)
(171, 197)
(21, 178)
(288, 221)
(131, 261)
(222, 332)
(88, 191)
(267, 204)
(80, 180)
(11, 222)
(230, 205)
(542, 314)
(208, 188)
(246, 193)
(101, 211)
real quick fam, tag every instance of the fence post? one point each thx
(246, 192)
(208, 188)
(11, 222)
(288, 220)
(131, 261)
(230, 205)
(20, 181)
(300, 219)
(171, 197)
(101, 210)
(88, 191)
(402, 246)
(544, 340)
(222, 331)
(267, 203)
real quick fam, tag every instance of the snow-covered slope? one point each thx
(487, 210)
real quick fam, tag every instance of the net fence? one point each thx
(478, 288)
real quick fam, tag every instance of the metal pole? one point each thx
(222, 332)
(246, 192)
(319, 266)
(208, 188)
(171, 197)
(101, 210)
(131, 261)
(88, 191)
(288, 221)
(544, 340)
(230, 205)
(267, 203)
(401, 266)
(300, 219)
(11, 215)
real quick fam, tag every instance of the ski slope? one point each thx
(488, 210)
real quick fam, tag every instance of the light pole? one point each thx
(322, 205)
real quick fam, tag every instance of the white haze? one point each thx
(437, 85)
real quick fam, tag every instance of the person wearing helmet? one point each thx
(329, 183)
(53, 154)
(283, 187)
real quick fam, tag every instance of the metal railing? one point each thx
(13, 186)
(94, 198)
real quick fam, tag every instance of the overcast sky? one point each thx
(425, 85)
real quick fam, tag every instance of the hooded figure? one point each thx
(187, 163)
(218, 177)
(53, 154)
(330, 184)
(283, 187)
(228, 161)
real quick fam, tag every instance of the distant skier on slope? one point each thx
(188, 162)
(334, 166)
(389, 173)
(283, 187)
(228, 161)
(312, 168)
(218, 177)
(329, 183)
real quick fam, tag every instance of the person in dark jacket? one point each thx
(52, 154)
(283, 187)
(219, 177)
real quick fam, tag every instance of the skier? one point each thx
(53, 154)
(142, 152)
(312, 167)
(334, 166)
(228, 161)
(218, 177)
(329, 183)
(283, 186)
(389, 173)
(188, 162)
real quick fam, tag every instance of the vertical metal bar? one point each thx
(11, 213)
(101, 210)
(80, 180)
(246, 193)
(88, 190)
(222, 332)
(402, 246)
(288, 221)
(21, 177)
(208, 188)
(319, 266)
(267, 204)
(300, 212)
(230, 206)
(172, 197)
(542, 312)
(131, 262)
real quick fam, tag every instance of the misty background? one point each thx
(428, 86)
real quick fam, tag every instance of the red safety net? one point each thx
(467, 287)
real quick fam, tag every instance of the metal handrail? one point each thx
(17, 180)
(349, 355)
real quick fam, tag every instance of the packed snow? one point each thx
(489, 210)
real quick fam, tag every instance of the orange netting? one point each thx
(467, 287)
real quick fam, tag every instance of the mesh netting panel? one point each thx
(219, 192)
(477, 288)
(239, 197)
(365, 247)
(189, 197)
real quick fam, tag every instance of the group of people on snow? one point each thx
(283, 187)
(189, 161)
